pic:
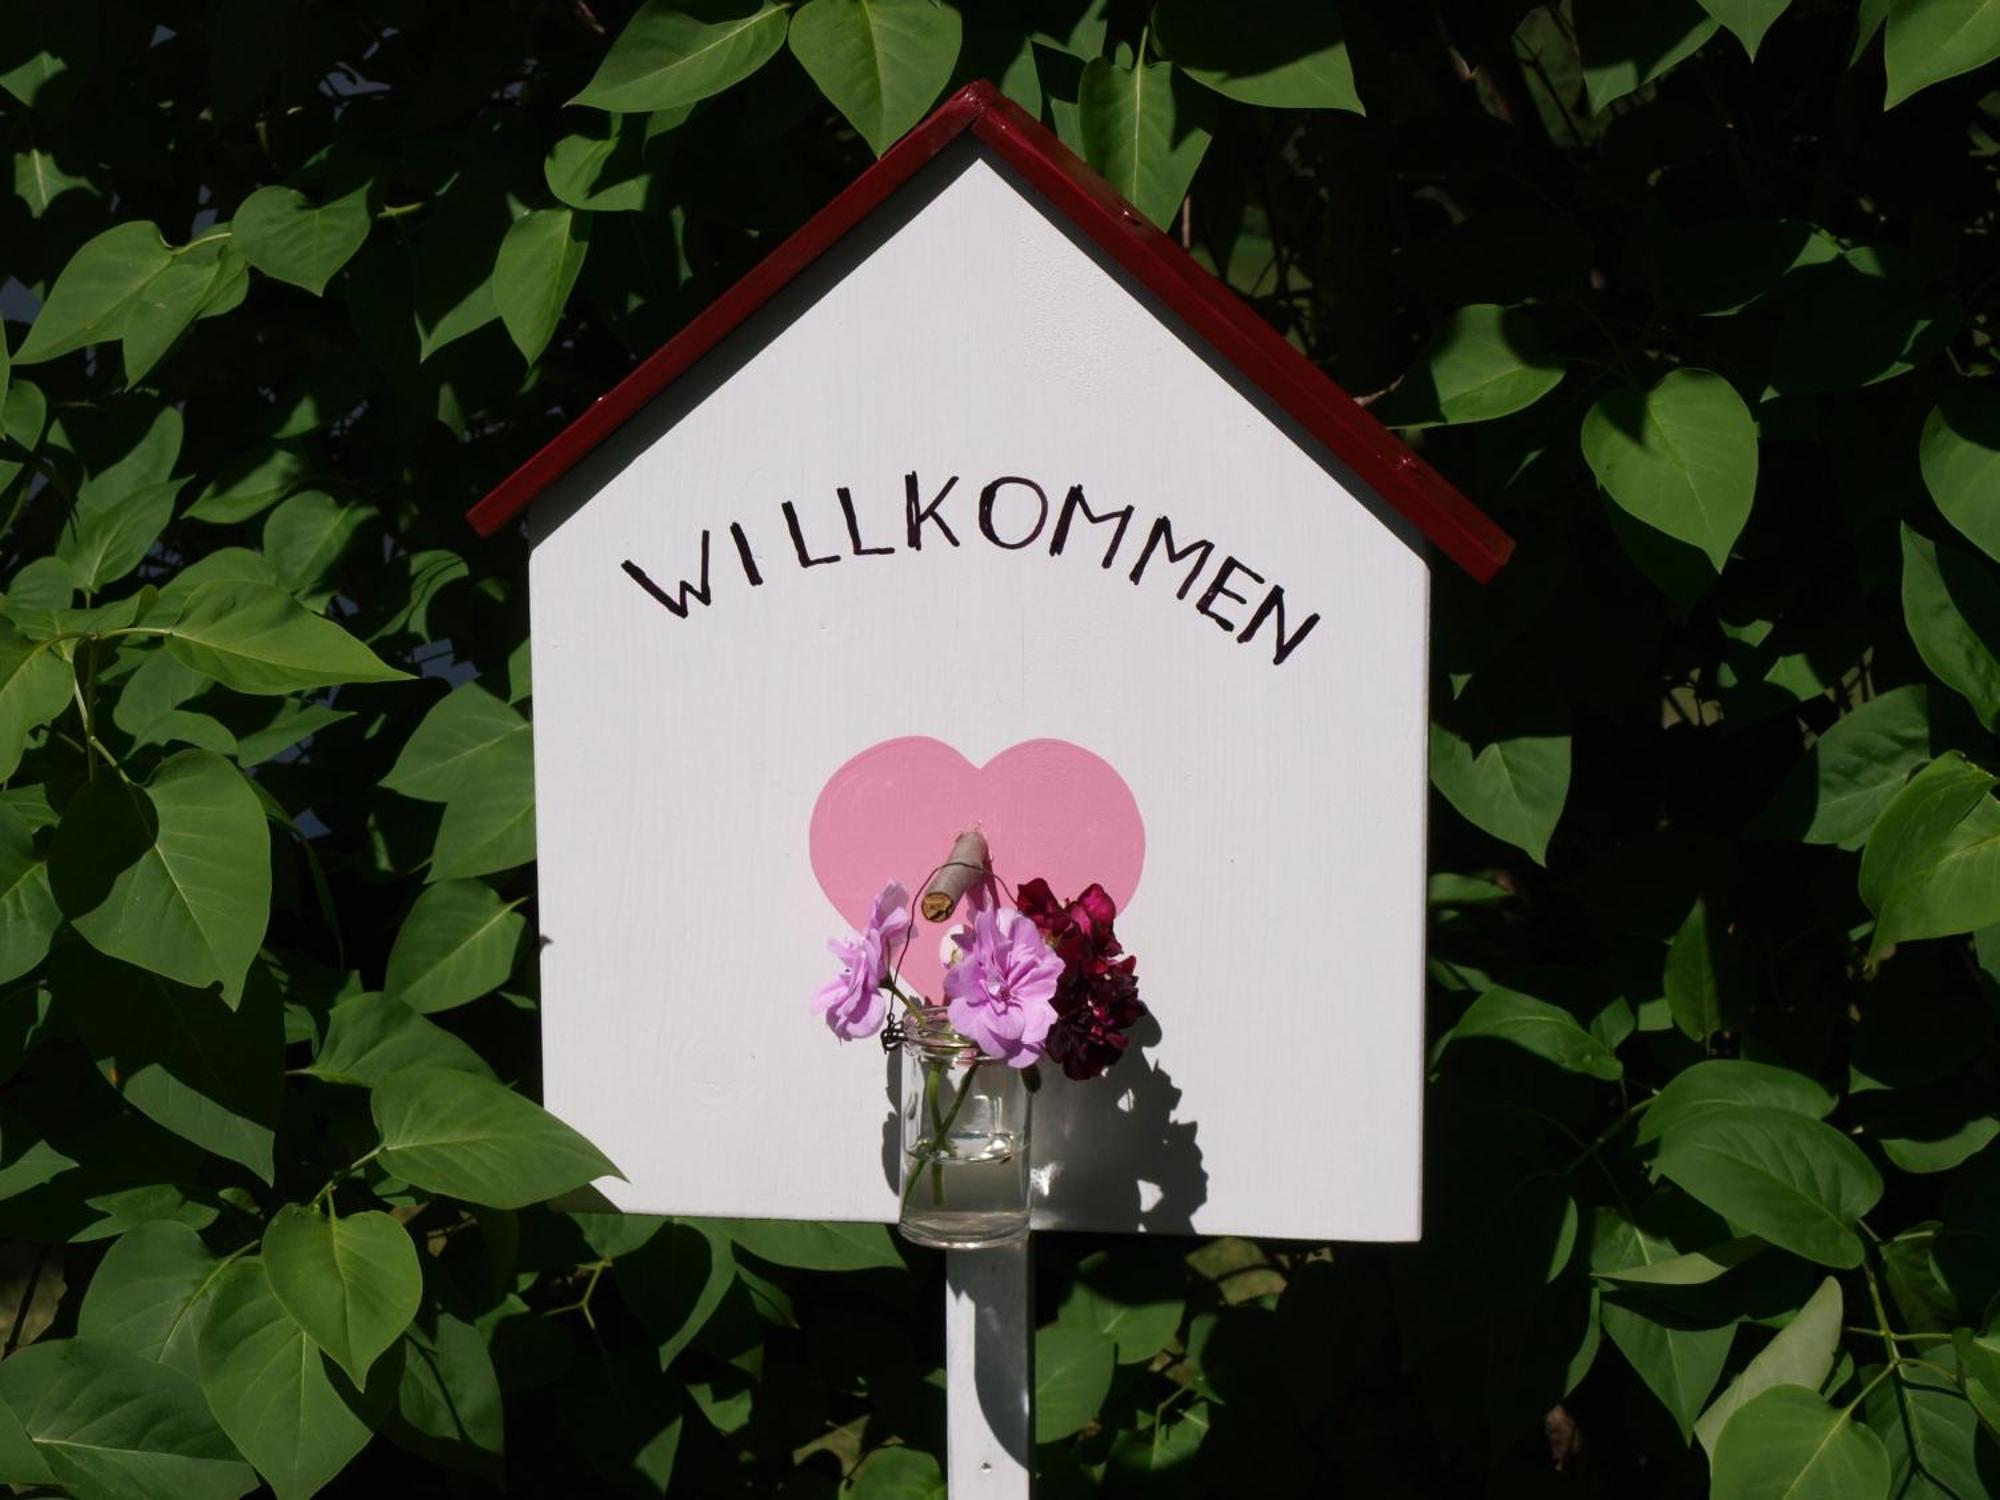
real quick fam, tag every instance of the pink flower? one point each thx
(855, 1002)
(1001, 988)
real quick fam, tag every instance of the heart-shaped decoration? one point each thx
(1047, 808)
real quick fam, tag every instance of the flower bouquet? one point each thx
(1026, 978)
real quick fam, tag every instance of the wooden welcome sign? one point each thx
(978, 503)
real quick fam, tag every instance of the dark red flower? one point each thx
(1080, 931)
(1097, 1000)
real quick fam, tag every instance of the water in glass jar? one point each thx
(973, 1196)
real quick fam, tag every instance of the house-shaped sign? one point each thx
(979, 503)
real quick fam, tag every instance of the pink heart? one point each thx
(1047, 808)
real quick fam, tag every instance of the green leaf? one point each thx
(1932, 865)
(39, 599)
(1748, 19)
(29, 915)
(23, 414)
(536, 269)
(1789, 1443)
(1625, 46)
(307, 535)
(39, 181)
(1681, 458)
(286, 235)
(453, 748)
(1936, 1448)
(1960, 455)
(224, 565)
(677, 52)
(1073, 1369)
(1918, 1288)
(27, 1161)
(626, 1418)
(1262, 52)
(181, 726)
(897, 1474)
(1951, 603)
(814, 1246)
(97, 291)
(1166, 1450)
(271, 1390)
(20, 1462)
(1869, 16)
(1706, 985)
(1724, 266)
(1680, 1365)
(166, 306)
(149, 1293)
(1144, 131)
(448, 1404)
(174, 877)
(1854, 770)
(999, 46)
(122, 444)
(1722, 1084)
(455, 255)
(256, 639)
(1689, 1268)
(371, 1036)
(489, 822)
(1932, 1129)
(1798, 1183)
(109, 1422)
(250, 483)
(351, 1282)
(35, 686)
(1484, 362)
(293, 723)
(51, 48)
(1979, 1356)
(614, 1236)
(1134, 1297)
(1928, 41)
(676, 1281)
(451, 1133)
(1512, 787)
(159, 686)
(1674, 1243)
(182, 1057)
(110, 536)
(1867, 317)
(457, 944)
(612, 170)
(1546, 1030)
(881, 62)
(1801, 1355)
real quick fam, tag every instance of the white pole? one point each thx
(989, 1374)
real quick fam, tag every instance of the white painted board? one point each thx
(1277, 909)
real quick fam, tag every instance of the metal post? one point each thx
(989, 1374)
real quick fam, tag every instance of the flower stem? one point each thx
(941, 1123)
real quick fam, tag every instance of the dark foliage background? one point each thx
(1696, 298)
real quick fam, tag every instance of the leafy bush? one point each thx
(1695, 297)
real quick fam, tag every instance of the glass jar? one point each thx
(965, 1141)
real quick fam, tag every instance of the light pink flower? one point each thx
(1001, 988)
(854, 1002)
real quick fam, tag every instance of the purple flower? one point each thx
(854, 1002)
(1000, 990)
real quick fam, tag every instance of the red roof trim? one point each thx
(1419, 492)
